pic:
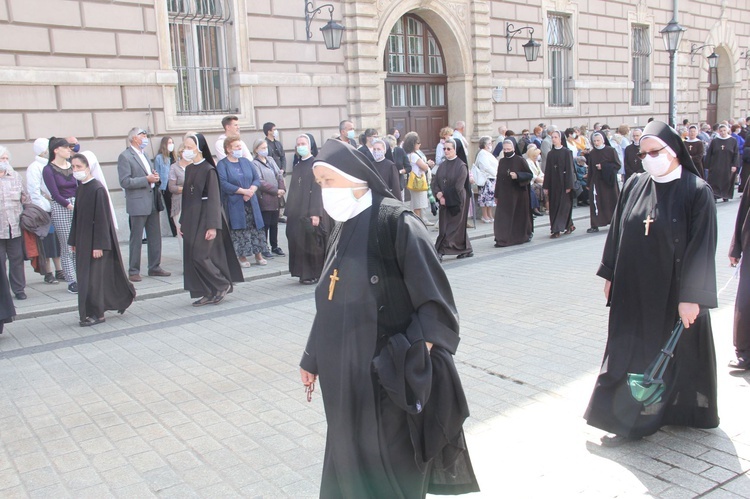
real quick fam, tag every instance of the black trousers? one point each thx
(12, 249)
(167, 196)
(271, 227)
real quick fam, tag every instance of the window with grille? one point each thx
(560, 47)
(198, 38)
(641, 66)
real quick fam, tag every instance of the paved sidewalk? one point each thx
(172, 401)
(45, 299)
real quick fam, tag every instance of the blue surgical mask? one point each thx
(351, 135)
(303, 151)
(263, 152)
(237, 153)
(144, 142)
(76, 147)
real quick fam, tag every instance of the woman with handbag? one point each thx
(417, 183)
(604, 163)
(484, 173)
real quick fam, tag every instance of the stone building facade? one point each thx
(96, 68)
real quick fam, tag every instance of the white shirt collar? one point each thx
(669, 177)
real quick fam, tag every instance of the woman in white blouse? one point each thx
(487, 164)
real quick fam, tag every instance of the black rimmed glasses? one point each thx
(653, 154)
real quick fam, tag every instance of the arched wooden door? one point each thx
(416, 84)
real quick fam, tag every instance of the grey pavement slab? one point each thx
(172, 401)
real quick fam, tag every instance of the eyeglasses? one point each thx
(653, 154)
(447, 148)
(71, 146)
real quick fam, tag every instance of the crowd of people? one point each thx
(356, 214)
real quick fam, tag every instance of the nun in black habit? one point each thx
(209, 262)
(604, 163)
(738, 250)
(659, 266)
(385, 320)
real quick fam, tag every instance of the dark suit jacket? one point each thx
(139, 195)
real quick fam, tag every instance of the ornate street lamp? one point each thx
(332, 31)
(530, 48)
(672, 35)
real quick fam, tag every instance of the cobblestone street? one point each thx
(173, 401)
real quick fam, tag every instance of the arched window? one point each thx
(416, 82)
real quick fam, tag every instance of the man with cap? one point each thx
(659, 267)
(142, 202)
(387, 319)
(41, 197)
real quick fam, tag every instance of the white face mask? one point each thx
(340, 202)
(170, 147)
(275, 134)
(188, 155)
(600, 146)
(657, 166)
(4, 166)
(80, 176)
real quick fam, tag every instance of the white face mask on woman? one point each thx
(188, 155)
(340, 202)
(657, 166)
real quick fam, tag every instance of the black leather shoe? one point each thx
(278, 251)
(536, 213)
(592, 230)
(21, 296)
(203, 301)
(466, 255)
(740, 363)
(91, 321)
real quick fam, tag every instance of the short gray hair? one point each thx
(451, 141)
(5, 150)
(133, 133)
(483, 141)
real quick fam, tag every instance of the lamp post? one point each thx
(672, 34)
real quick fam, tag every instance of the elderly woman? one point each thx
(12, 198)
(272, 190)
(239, 182)
(448, 188)
(306, 225)
(58, 177)
(513, 221)
(659, 266)
(604, 163)
(445, 134)
(209, 260)
(386, 168)
(419, 169)
(538, 199)
(176, 181)
(385, 439)
(487, 164)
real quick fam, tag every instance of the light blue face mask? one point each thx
(351, 135)
(303, 151)
(144, 142)
(237, 153)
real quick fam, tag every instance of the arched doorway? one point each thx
(720, 98)
(416, 82)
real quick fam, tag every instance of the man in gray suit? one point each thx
(139, 181)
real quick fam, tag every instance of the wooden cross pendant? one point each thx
(647, 223)
(334, 279)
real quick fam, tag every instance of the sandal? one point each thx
(261, 261)
(91, 321)
(244, 264)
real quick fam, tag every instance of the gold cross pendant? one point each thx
(647, 223)
(334, 279)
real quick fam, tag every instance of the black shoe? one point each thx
(203, 301)
(91, 321)
(740, 363)
(267, 254)
(278, 251)
(592, 230)
(282, 220)
(73, 288)
(144, 241)
(536, 213)
(59, 275)
(440, 257)
(466, 255)
(49, 278)
(218, 297)
(21, 296)
(308, 281)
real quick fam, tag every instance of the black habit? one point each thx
(697, 150)
(738, 249)
(450, 180)
(103, 283)
(722, 155)
(513, 221)
(604, 164)
(633, 163)
(387, 170)
(375, 447)
(559, 177)
(209, 266)
(306, 243)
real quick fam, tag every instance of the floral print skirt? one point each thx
(487, 194)
(251, 240)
